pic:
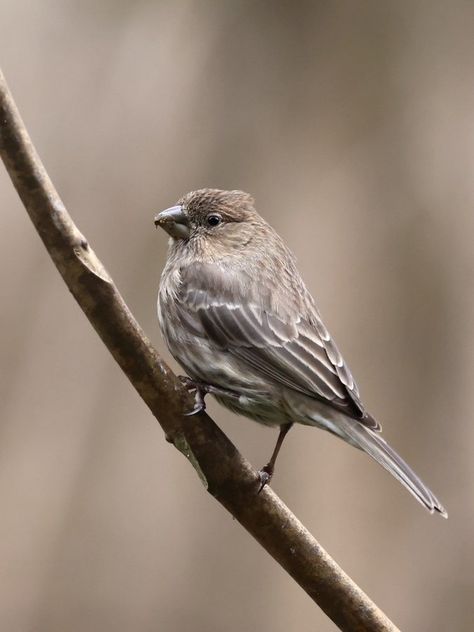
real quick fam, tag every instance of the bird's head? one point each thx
(212, 219)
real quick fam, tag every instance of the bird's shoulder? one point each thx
(265, 278)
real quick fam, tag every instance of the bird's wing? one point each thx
(292, 350)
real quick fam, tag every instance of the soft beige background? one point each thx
(352, 124)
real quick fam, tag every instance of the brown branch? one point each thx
(225, 473)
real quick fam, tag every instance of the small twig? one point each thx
(225, 473)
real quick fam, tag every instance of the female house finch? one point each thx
(237, 316)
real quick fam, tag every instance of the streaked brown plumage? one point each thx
(237, 316)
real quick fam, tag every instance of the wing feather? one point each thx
(293, 350)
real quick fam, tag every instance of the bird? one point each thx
(236, 315)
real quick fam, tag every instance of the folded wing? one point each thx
(291, 349)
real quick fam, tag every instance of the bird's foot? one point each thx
(201, 390)
(265, 476)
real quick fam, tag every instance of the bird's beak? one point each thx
(175, 221)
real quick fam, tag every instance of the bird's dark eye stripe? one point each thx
(214, 220)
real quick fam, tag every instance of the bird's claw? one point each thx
(199, 405)
(200, 392)
(265, 476)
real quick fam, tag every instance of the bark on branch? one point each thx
(224, 472)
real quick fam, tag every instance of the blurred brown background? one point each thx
(352, 124)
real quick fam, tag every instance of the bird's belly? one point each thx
(264, 411)
(257, 398)
(203, 363)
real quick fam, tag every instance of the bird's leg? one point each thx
(266, 472)
(201, 390)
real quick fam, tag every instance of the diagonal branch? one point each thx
(224, 472)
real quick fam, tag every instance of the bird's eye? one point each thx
(213, 219)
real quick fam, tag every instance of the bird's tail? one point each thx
(376, 447)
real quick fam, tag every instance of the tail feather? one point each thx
(376, 447)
